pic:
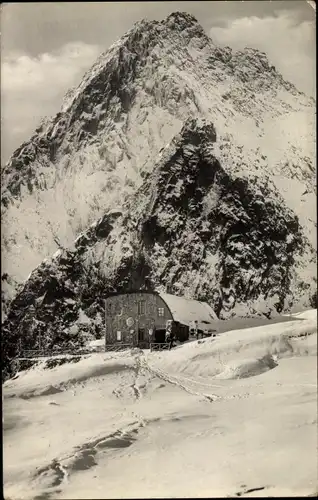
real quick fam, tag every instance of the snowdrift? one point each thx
(243, 353)
(40, 380)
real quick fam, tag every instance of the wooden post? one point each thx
(137, 332)
(105, 324)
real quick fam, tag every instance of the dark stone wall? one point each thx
(120, 308)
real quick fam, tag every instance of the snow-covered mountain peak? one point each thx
(178, 29)
(114, 127)
(182, 21)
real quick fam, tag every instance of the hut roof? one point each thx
(186, 311)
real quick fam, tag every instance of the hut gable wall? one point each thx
(129, 313)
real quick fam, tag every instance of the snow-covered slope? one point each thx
(93, 154)
(231, 417)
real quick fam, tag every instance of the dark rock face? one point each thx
(50, 301)
(201, 210)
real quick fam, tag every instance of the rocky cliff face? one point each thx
(197, 164)
(219, 235)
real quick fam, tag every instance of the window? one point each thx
(118, 309)
(118, 336)
(161, 312)
(141, 308)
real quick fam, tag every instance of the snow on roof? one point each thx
(187, 310)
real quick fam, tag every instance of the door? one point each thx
(160, 336)
(141, 335)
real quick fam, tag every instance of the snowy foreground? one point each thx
(231, 416)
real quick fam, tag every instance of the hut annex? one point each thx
(140, 318)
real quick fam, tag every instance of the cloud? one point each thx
(289, 44)
(33, 87)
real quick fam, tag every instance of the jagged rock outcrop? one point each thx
(219, 235)
(195, 227)
(95, 152)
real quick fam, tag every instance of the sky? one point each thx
(47, 47)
